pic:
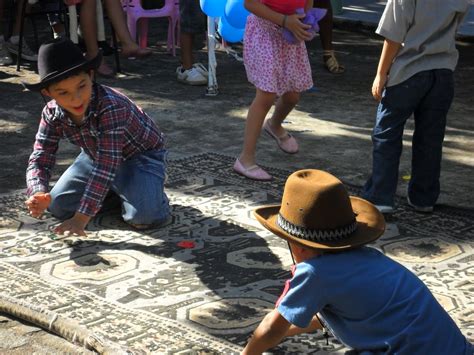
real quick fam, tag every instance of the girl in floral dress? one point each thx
(277, 68)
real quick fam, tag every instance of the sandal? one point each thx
(332, 65)
(253, 172)
(286, 142)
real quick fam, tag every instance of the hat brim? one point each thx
(370, 226)
(91, 64)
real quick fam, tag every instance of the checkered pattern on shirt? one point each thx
(114, 130)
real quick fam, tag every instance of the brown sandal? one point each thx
(332, 65)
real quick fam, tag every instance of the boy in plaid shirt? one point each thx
(122, 149)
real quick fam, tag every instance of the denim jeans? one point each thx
(139, 182)
(427, 95)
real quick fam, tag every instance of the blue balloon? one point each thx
(235, 13)
(213, 8)
(230, 33)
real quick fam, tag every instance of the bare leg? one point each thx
(117, 17)
(257, 112)
(325, 25)
(325, 34)
(186, 44)
(88, 22)
(17, 23)
(285, 104)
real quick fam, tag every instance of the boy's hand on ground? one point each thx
(38, 203)
(378, 86)
(298, 28)
(73, 226)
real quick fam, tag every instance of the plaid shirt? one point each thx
(114, 129)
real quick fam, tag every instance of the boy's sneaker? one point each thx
(423, 209)
(5, 57)
(201, 68)
(385, 209)
(26, 52)
(191, 76)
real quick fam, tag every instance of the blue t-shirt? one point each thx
(372, 304)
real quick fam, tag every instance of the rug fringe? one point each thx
(63, 327)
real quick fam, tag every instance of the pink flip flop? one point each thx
(286, 142)
(253, 172)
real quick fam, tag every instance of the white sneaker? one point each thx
(5, 57)
(201, 68)
(26, 52)
(191, 76)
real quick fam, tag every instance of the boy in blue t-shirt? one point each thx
(370, 302)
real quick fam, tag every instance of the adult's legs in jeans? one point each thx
(139, 182)
(430, 124)
(66, 194)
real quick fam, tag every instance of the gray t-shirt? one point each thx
(427, 30)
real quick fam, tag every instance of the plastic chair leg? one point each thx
(143, 32)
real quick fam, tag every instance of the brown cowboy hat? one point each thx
(59, 59)
(317, 212)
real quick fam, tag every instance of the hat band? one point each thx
(316, 235)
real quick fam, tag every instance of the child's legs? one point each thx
(284, 105)
(397, 105)
(67, 192)
(192, 22)
(257, 112)
(140, 184)
(430, 124)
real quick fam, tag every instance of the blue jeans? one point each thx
(139, 182)
(427, 95)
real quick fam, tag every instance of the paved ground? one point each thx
(333, 127)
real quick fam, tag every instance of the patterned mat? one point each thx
(203, 282)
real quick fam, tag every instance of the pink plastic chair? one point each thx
(137, 15)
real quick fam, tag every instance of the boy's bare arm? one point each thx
(389, 51)
(312, 327)
(272, 329)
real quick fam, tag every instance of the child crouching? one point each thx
(122, 149)
(371, 303)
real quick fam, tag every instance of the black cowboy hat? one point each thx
(59, 59)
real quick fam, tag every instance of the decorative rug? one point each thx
(202, 283)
